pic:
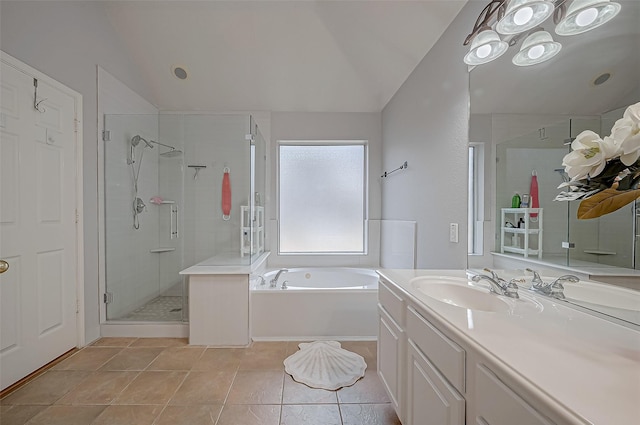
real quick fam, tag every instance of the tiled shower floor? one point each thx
(161, 381)
(160, 309)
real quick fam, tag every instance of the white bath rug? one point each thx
(324, 364)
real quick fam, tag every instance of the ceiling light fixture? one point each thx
(585, 15)
(536, 48)
(516, 19)
(485, 47)
(522, 15)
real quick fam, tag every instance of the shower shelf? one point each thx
(159, 250)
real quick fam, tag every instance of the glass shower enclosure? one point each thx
(607, 241)
(163, 197)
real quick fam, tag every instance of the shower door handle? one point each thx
(173, 226)
(4, 266)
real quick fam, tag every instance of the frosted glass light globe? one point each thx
(523, 16)
(586, 17)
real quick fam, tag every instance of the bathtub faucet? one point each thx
(274, 281)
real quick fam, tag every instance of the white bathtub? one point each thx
(318, 303)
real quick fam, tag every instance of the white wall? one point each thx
(426, 124)
(66, 40)
(327, 126)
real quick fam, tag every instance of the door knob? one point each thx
(4, 266)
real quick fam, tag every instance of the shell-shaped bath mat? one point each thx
(324, 364)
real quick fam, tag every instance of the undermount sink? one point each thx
(456, 291)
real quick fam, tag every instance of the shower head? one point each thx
(172, 153)
(135, 140)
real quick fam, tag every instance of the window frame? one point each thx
(475, 209)
(365, 194)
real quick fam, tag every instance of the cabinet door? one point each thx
(497, 404)
(430, 398)
(390, 356)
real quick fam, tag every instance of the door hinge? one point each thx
(106, 136)
(77, 216)
(77, 306)
(107, 297)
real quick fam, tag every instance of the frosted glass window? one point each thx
(322, 198)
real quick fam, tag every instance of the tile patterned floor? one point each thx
(162, 381)
(159, 309)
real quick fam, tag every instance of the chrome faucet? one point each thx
(274, 282)
(554, 289)
(499, 286)
(262, 281)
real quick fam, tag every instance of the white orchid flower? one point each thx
(626, 132)
(588, 156)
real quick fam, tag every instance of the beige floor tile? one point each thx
(366, 349)
(220, 359)
(67, 415)
(264, 414)
(48, 388)
(268, 346)
(256, 387)
(189, 415)
(204, 388)
(292, 347)
(137, 358)
(297, 393)
(264, 356)
(179, 358)
(18, 415)
(151, 388)
(89, 358)
(160, 342)
(113, 342)
(369, 389)
(368, 414)
(129, 415)
(99, 388)
(311, 414)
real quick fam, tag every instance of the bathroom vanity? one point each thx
(449, 352)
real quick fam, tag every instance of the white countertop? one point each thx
(215, 265)
(587, 367)
(578, 266)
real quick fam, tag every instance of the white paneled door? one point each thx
(38, 220)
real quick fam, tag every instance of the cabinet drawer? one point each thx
(497, 404)
(431, 399)
(448, 356)
(391, 302)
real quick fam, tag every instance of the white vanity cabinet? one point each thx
(392, 346)
(433, 375)
(497, 404)
(436, 375)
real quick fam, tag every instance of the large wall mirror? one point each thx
(526, 116)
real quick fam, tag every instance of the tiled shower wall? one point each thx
(214, 141)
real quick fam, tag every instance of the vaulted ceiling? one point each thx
(346, 56)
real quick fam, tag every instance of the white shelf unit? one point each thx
(529, 231)
(251, 230)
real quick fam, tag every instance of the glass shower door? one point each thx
(142, 210)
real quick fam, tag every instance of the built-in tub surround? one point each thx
(219, 302)
(316, 303)
(572, 367)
